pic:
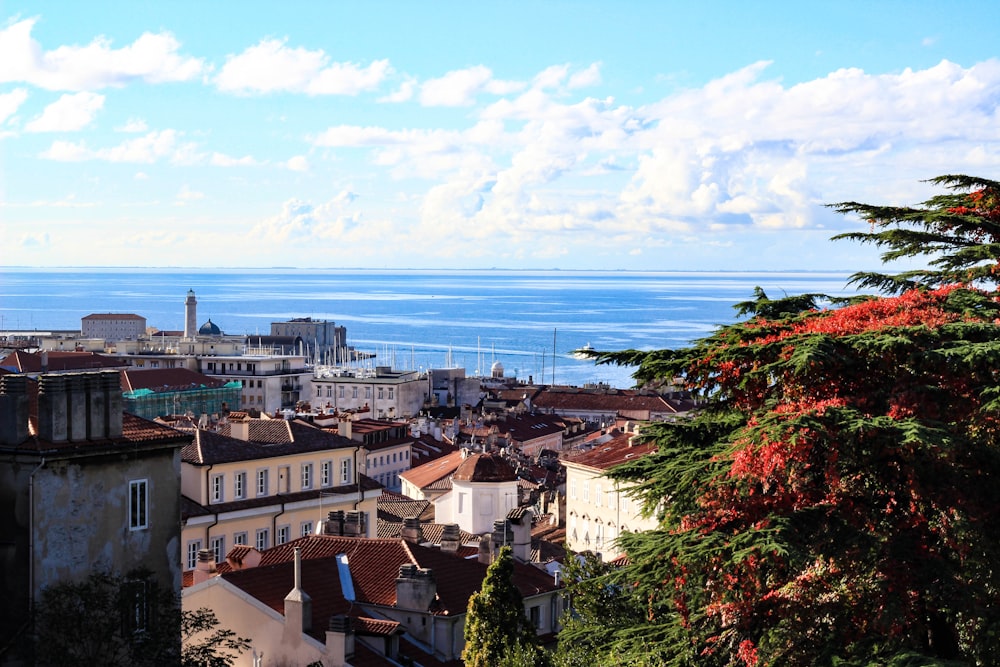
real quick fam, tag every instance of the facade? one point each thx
(386, 448)
(382, 393)
(598, 510)
(88, 488)
(269, 383)
(451, 388)
(113, 326)
(326, 341)
(483, 490)
(264, 482)
(430, 480)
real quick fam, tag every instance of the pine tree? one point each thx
(834, 500)
(496, 629)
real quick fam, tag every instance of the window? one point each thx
(390, 393)
(263, 539)
(194, 546)
(218, 546)
(340, 391)
(239, 485)
(368, 392)
(586, 492)
(326, 473)
(216, 491)
(307, 528)
(283, 533)
(345, 471)
(354, 392)
(535, 614)
(240, 537)
(597, 495)
(572, 489)
(307, 473)
(138, 502)
(380, 396)
(262, 486)
(136, 607)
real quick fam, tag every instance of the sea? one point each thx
(529, 321)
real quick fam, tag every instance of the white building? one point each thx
(113, 326)
(483, 490)
(382, 393)
(270, 382)
(598, 510)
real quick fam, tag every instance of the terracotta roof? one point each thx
(616, 400)
(611, 453)
(113, 316)
(31, 362)
(270, 431)
(426, 448)
(394, 509)
(485, 468)
(431, 532)
(166, 379)
(423, 476)
(210, 447)
(136, 432)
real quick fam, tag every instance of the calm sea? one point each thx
(416, 319)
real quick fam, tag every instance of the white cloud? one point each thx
(460, 87)
(141, 176)
(152, 58)
(11, 102)
(147, 149)
(298, 163)
(402, 94)
(222, 160)
(551, 77)
(133, 125)
(186, 194)
(71, 112)
(588, 77)
(271, 66)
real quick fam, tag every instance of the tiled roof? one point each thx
(427, 474)
(270, 431)
(136, 432)
(210, 447)
(614, 400)
(374, 566)
(166, 379)
(426, 448)
(485, 468)
(431, 532)
(31, 362)
(394, 509)
(611, 453)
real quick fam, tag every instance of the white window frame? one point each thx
(217, 491)
(263, 482)
(193, 547)
(217, 544)
(283, 535)
(262, 540)
(345, 471)
(326, 473)
(138, 504)
(306, 528)
(240, 485)
(307, 469)
(241, 537)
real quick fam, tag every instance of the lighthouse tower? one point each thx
(190, 315)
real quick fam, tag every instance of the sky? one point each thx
(518, 135)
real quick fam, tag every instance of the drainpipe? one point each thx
(208, 488)
(274, 522)
(31, 537)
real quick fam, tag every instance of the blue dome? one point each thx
(209, 329)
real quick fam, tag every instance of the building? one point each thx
(598, 509)
(263, 482)
(158, 392)
(326, 342)
(430, 480)
(342, 600)
(84, 487)
(484, 489)
(269, 383)
(383, 393)
(604, 406)
(113, 326)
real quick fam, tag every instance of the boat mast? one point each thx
(553, 356)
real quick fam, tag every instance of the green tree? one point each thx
(833, 501)
(113, 619)
(496, 629)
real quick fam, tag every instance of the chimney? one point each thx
(522, 536)
(114, 403)
(334, 524)
(354, 524)
(52, 404)
(240, 429)
(344, 427)
(412, 532)
(76, 395)
(97, 408)
(44, 361)
(485, 549)
(298, 605)
(205, 568)
(13, 409)
(415, 588)
(339, 641)
(451, 537)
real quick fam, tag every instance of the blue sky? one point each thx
(572, 135)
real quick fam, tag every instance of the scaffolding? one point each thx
(196, 399)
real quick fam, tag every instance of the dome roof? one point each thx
(210, 329)
(485, 468)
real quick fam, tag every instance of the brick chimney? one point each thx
(521, 527)
(298, 605)
(354, 524)
(415, 587)
(13, 409)
(334, 524)
(412, 532)
(52, 408)
(339, 641)
(205, 567)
